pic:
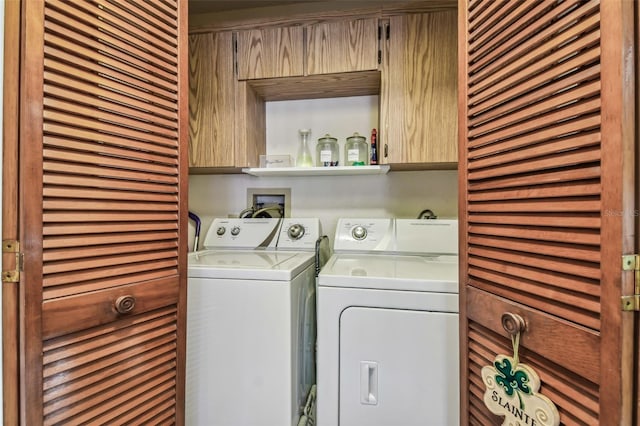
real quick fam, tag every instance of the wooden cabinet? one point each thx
(270, 52)
(342, 46)
(211, 100)
(418, 94)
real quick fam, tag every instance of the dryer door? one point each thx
(398, 367)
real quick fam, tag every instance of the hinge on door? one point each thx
(631, 262)
(12, 247)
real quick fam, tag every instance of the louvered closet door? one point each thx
(547, 199)
(103, 202)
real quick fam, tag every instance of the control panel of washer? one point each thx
(242, 233)
(364, 234)
(299, 234)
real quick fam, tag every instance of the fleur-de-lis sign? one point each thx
(512, 381)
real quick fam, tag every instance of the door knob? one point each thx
(513, 323)
(125, 304)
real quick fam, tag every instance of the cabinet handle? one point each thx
(125, 304)
(513, 323)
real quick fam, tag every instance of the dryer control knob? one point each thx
(235, 230)
(296, 231)
(221, 230)
(359, 232)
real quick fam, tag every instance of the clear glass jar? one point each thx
(356, 151)
(304, 154)
(327, 151)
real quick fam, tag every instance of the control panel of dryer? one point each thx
(364, 234)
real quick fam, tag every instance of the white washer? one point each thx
(251, 323)
(388, 325)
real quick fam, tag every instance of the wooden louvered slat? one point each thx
(83, 252)
(166, 8)
(529, 110)
(126, 189)
(73, 192)
(164, 22)
(70, 216)
(82, 84)
(523, 88)
(105, 228)
(562, 175)
(76, 240)
(165, 263)
(587, 156)
(541, 92)
(157, 411)
(574, 189)
(540, 121)
(70, 69)
(495, 46)
(105, 160)
(62, 43)
(558, 250)
(481, 158)
(497, 22)
(537, 45)
(98, 28)
(143, 86)
(86, 263)
(529, 232)
(117, 14)
(485, 90)
(555, 220)
(75, 95)
(93, 171)
(581, 269)
(95, 203)
(480, 16)
(561, 287)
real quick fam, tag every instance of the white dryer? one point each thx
(251, 323)
(388, 325)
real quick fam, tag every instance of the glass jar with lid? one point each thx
(327, 151)
(356, 151)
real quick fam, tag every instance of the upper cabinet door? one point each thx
(270, 52)
(211, 100)
(419, 95)
(342, 46)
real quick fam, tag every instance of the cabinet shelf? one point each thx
(318, 171)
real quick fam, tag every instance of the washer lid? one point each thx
(391, 272)
(250, 264)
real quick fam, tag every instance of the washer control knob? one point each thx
(221, 230)
(359, 232)
(296, 231)
(235, 230)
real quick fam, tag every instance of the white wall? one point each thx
(396, 194)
